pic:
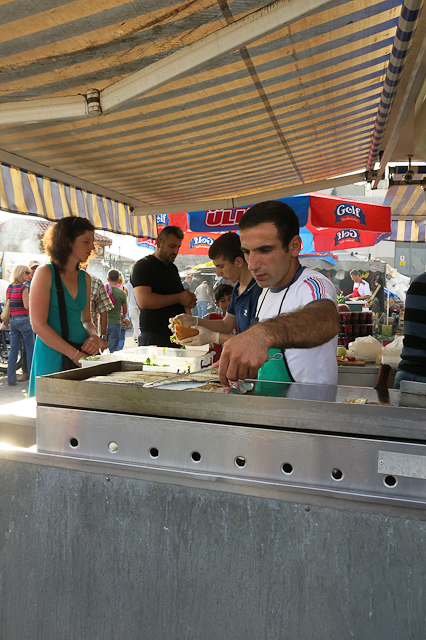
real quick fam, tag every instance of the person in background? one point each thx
(361, 290)
(228, 259)
(413, 356)
(202, 298)
(133, 311)
(125, 324)
(25, 375)
(68, 243)
(19, 323)
(159, 291)
(100, 304)
(195, 282)
(118, 312)
(187, 282)
(222, 296)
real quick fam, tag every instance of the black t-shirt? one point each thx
(163, 279)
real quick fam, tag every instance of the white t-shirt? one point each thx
(363, 288)
(317, 365)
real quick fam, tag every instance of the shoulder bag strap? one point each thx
(61, 303)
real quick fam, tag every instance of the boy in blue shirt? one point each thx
(230, 264)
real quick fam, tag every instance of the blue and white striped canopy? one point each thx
(286, 111)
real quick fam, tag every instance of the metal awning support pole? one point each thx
(407, 24)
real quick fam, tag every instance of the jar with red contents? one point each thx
(362, 328)
(369, 329)
(348, 330)
(345, 317)
(355, 317)
(368, 317)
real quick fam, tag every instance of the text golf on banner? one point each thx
(338, 213)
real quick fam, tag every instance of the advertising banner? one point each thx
(337, 239)
(228, 219)
(197, 243)
(172, 220)
(338, 213)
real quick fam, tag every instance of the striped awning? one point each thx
(408, 213)
(199, 102)
(27, 193)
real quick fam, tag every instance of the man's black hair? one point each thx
(227, 247)
(222, 290)
(169, 231)
(279, 213)
(113, 275)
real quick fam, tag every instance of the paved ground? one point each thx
(12, 394)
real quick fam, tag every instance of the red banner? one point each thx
(339, 213)
(197, 243)
(336, 239)
(172, 220)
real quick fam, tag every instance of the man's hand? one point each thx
(103, 345)
(187, 299)
(205, 336)
(243, 355)
(186, 320)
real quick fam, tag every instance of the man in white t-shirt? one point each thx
(297, 312)
(361, 290)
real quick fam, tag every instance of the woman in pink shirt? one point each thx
(19, 321)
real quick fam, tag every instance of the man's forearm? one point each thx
(303, 329)
(103, 323)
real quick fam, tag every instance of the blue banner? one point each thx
(228, 219)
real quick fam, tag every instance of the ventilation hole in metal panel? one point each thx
(195, 456)
(153, 452)
(240, 461)
(390, 481)
(337, 474)
(287, 468)
(73, 442)
(113, 447)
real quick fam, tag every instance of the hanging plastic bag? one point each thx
(366, 348)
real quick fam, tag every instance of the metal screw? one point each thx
(107, 479)
(307, 508)
(380, 461)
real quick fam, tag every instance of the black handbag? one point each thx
(67, 363)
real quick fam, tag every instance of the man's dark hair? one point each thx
(113, 275)
(170, 231)
(227, 247)
(222, 290)
(279, 213)
(354, 272)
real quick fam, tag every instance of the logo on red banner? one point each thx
(147, 243)
(224, 217)
(346, 234)
(349, 211)
(201, 241)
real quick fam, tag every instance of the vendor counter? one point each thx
(300, 515)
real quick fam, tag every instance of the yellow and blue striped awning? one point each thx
(30, 194)
(408, 213)
(297, 105)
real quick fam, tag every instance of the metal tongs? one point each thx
(242, 386)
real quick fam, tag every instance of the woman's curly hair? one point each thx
(58, 238)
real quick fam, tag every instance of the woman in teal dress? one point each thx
(68, 243)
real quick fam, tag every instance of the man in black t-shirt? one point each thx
(159, 291)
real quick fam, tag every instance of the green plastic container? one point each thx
(355, 306)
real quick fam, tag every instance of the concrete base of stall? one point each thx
(88, 552)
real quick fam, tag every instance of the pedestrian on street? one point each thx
(19, 323)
